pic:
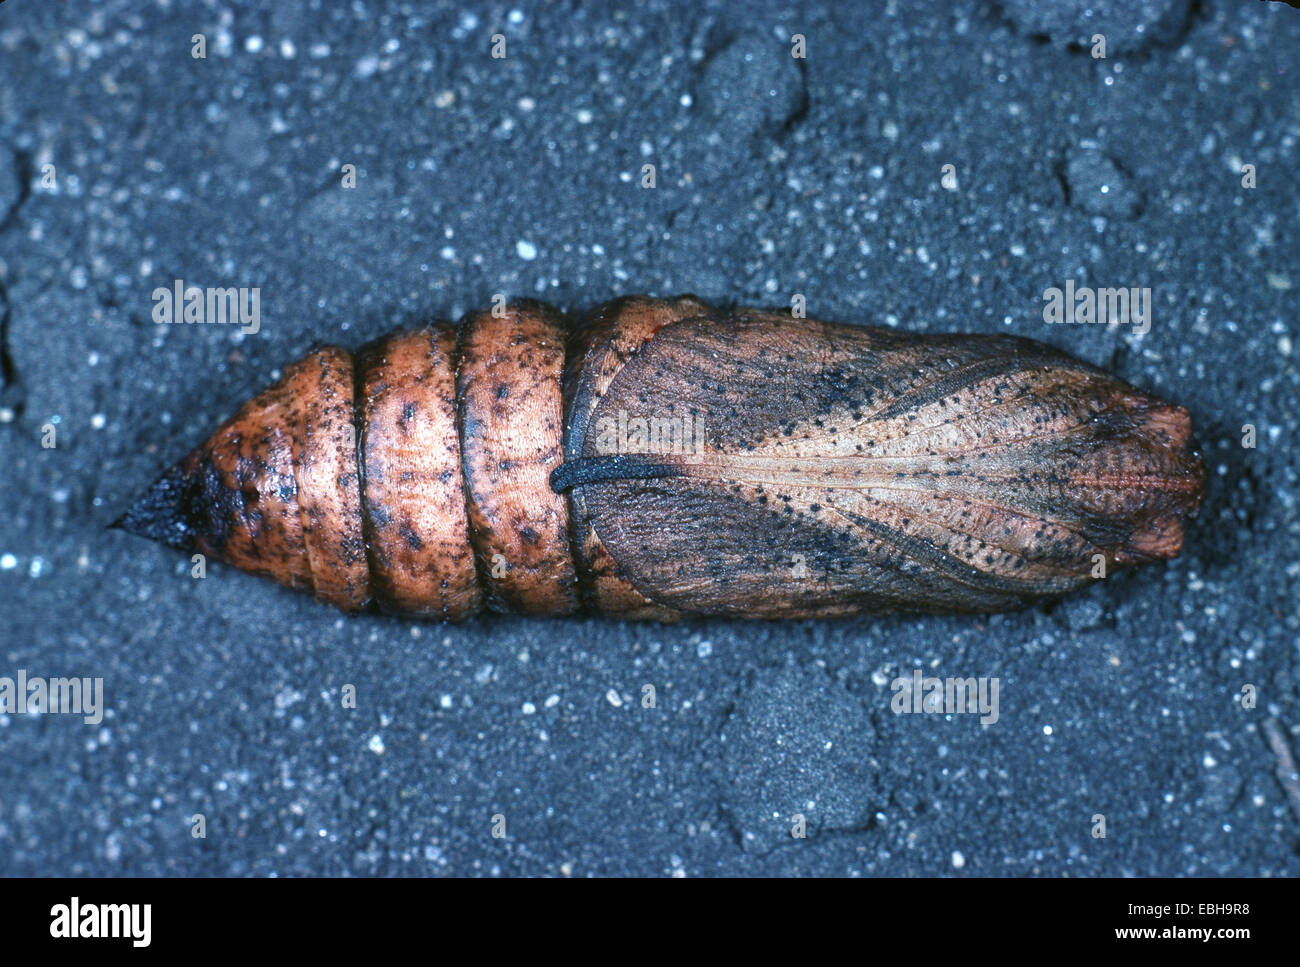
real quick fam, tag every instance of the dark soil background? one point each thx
(522, 175)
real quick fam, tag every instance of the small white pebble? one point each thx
(529, 708)
(97, 421)
(8, 562)
(445, 701)
(1047, 730)
(614, 698)
(958, 861)
(585, 116)
(253, 44)
(376, 745)
(526, 250)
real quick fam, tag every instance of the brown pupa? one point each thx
(664, 458)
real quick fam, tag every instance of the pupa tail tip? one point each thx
(164, 512)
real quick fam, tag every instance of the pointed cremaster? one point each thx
(275, 490)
